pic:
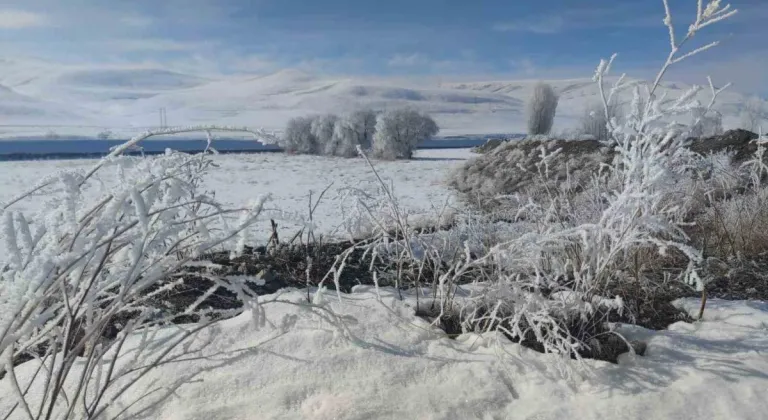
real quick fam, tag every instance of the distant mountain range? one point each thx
(76, 100)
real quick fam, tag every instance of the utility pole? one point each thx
(163, 118)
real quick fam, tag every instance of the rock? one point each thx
(610, 347)
(639, 347)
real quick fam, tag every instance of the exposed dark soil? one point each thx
(739, 142)
(604, 345)
(297, 266)
(744, 281)
(290, 266)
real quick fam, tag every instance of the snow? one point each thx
(372, 357)
(419, 184)
(386, 363)
(127, 99)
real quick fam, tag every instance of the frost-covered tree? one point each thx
(322, 128)
(298, 136)
(541, 109)
(344, 141)
(594, 122)
(350, 131)
(364, 124)
(753, 114)
(399, 131)
(329, 134)
(705, 123)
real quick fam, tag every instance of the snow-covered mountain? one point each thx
(120, 98)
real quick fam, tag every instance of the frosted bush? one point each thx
(754, 114)
(399, 131)
(344, 141)
(705, 123)
(105, 135)
(633, 205)
(322, 128)
(81, 277)
(299, 137)
(515, 167)
(329, 134)
(363, 123)
(594, 122)
(541, 109)
(350, 131)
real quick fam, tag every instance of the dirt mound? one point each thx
(514, 166)
(507, 167)
(740, 142)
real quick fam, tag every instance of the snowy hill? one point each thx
(18, 109)
(121, 98)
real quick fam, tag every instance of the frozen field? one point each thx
(383, 362)
(419, 184)
(389, 364)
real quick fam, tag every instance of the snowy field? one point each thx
(389, 364)
(386, 363)
(419, 184)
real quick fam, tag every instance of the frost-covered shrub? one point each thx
(541, 109)
(399, 131)
(555, 283)
(83, 278)
(299, 137)
(345, 139)
(322, 128)
(730, 225)
(705, 123)
(329, 134)
(594, 122)
(105, 135)
(516, 167)
(363, 123)
(753, 114)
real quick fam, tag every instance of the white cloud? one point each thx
(547, 25)
(622, 15)
(408, 60)
(156, 45)
(253, 64)
(20, 19)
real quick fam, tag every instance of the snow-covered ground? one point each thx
(419, 184)
(390, 364)
(89, 100)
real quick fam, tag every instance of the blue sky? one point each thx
(404, 38)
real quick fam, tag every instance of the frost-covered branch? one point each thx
(86, 277)
(259, 135)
